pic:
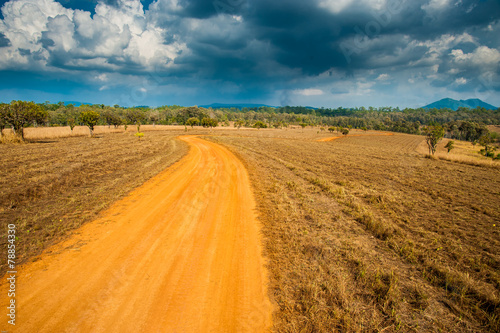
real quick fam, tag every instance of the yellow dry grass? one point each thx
(365, 234)
(40, 133)
(362, 234)
(494, 128)
(464, 152)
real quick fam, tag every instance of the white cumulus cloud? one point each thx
(483, 56)
(337, 6)
(382, 77)
(308, 92)
(42, 33)
(435, 5)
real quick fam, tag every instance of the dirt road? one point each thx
(182, 253)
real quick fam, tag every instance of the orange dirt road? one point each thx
(182, 253)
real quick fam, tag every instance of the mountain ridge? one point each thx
(453, 104)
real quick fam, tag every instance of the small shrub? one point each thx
(139, 135)
(193, 121)
(209, 122)
(259, 124)
(434, 134)
(11, 138)
(89, 118)
(450, 145)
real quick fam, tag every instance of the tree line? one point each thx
(463, 124)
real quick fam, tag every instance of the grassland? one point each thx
(362, 233)
(365, 234)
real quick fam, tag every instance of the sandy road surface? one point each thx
(181, 253)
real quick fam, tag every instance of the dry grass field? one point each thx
(362, 233)
(463, 152)
(365, 234)
(39, 133)
(494, 128)
(53, 186)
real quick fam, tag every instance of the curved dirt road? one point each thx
(181, 253)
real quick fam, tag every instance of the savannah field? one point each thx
(362, 233)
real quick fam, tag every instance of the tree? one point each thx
(70, 116)
(331, 129)
(190, 112)
(193, 121)
(450, 145)
(209, 122)
(3, 117)
(112, 118)
(345, 131)
(238, 123)
(434, 134)
(135, 116)
(154, 117)
(89, 118)
(303, 125)
(486, 141)
(20, 113)
(259, 124)
(71, 123)
(116, 120)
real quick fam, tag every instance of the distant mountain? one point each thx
(238, 106)
(475, 102)
(449, 103)
(243, 105)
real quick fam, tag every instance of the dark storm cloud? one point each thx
(310, 38)
(305, 39)
(89, 5)
(266, 45)
(35, 81)
(462, 15)
(4, 41)
(203, 9)
(304, 35)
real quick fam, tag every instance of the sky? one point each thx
(321, 53)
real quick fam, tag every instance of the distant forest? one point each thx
(466, 124)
